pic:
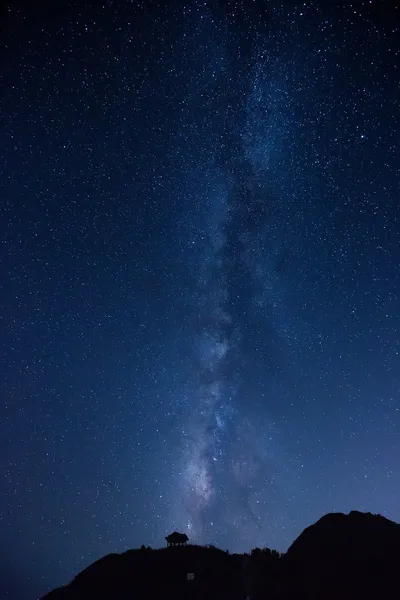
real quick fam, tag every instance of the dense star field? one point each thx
(200, 232)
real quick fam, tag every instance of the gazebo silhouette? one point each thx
(177, 539)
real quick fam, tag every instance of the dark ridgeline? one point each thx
(350, 557)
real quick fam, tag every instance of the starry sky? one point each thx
(199, 274)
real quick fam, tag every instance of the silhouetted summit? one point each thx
(346, 556)
(340, 556)
(337, 535)
(163, 573)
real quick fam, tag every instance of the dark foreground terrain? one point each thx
(339, 557)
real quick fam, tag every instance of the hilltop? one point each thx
(340, 556)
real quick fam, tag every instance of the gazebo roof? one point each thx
(175, 536)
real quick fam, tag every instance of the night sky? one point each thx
(199, 308)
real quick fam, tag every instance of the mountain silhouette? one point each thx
(346, 556)
(340, 556)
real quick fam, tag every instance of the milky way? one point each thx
(229, 464)
(199, 308)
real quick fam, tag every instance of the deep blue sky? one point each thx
(199, 275)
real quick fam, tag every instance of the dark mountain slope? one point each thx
(158, 574)
(346, 556)
(341, 556)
